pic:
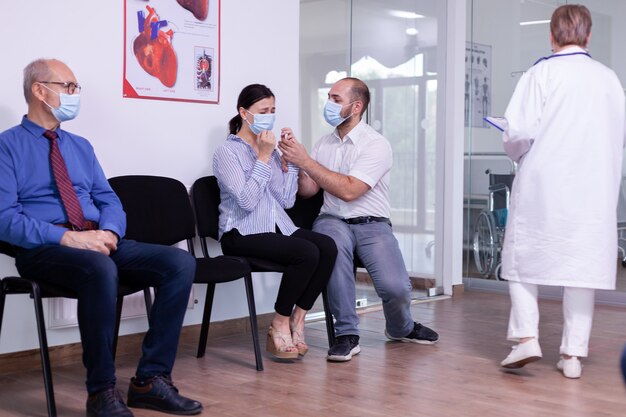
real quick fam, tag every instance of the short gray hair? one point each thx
(35, 71)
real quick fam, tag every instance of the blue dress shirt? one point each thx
(30, 204)
(254, 195)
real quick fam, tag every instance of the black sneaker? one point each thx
(159, 393)
(420, 334)
(344, 348)
(107, 403)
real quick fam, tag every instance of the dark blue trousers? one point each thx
(95, 277)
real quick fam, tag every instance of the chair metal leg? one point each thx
(253, 322)
(147, 296)
(330, 325)
(43, 350)
(118, 315)
(206, 319)
(118, 320)
(2, 298)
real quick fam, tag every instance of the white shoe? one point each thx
(522, 354)
(571, 368)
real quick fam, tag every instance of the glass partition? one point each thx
(393, 47)
(511, 35)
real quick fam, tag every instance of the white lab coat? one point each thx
(566, 128)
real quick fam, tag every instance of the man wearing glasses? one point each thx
(67, 227)
(69, 86)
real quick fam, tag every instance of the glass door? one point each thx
(504, 38)
(511, 35)
(392, 46)
(605, 45)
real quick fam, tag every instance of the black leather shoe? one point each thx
(107, 403)
(159, 393)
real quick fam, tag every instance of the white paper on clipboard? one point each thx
(499, 123)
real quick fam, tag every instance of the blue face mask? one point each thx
(261, 122)
(332, 113)
(69, 107)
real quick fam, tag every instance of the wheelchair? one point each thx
(491, 224)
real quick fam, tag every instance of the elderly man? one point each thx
(67, 227)
(352, 165)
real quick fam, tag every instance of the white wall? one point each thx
(259, 43)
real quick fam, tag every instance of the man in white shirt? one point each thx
(352, 165)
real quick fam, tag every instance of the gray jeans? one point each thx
(378, 249)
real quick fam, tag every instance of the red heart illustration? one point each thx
(153, 49)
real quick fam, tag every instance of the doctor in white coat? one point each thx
(565, 127)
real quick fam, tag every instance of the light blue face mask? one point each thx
(261, 122)
(332, 113)
(69, 107)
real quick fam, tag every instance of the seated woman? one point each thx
(255, 189)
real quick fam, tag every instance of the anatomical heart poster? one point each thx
(172, 50)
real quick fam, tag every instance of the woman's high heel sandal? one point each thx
(298, 341)
(280, 345)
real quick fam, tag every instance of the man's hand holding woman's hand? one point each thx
(292, 150)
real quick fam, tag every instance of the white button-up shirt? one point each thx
(366, 155)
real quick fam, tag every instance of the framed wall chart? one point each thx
(172, 50)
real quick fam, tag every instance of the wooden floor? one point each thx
(458, 377)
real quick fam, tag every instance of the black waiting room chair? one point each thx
(205, 194)
(40, 290)
(158, 210)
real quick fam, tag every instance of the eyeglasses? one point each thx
(70, 87)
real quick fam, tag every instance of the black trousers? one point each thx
(308, 257)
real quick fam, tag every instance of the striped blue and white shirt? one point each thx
(254, 195)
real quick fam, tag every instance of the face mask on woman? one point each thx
(261, 122)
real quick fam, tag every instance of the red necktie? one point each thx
(62, 179)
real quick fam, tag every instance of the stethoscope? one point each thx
(560, 55)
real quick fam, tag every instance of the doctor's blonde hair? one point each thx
(571, 25)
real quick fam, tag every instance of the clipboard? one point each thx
(499, 123)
